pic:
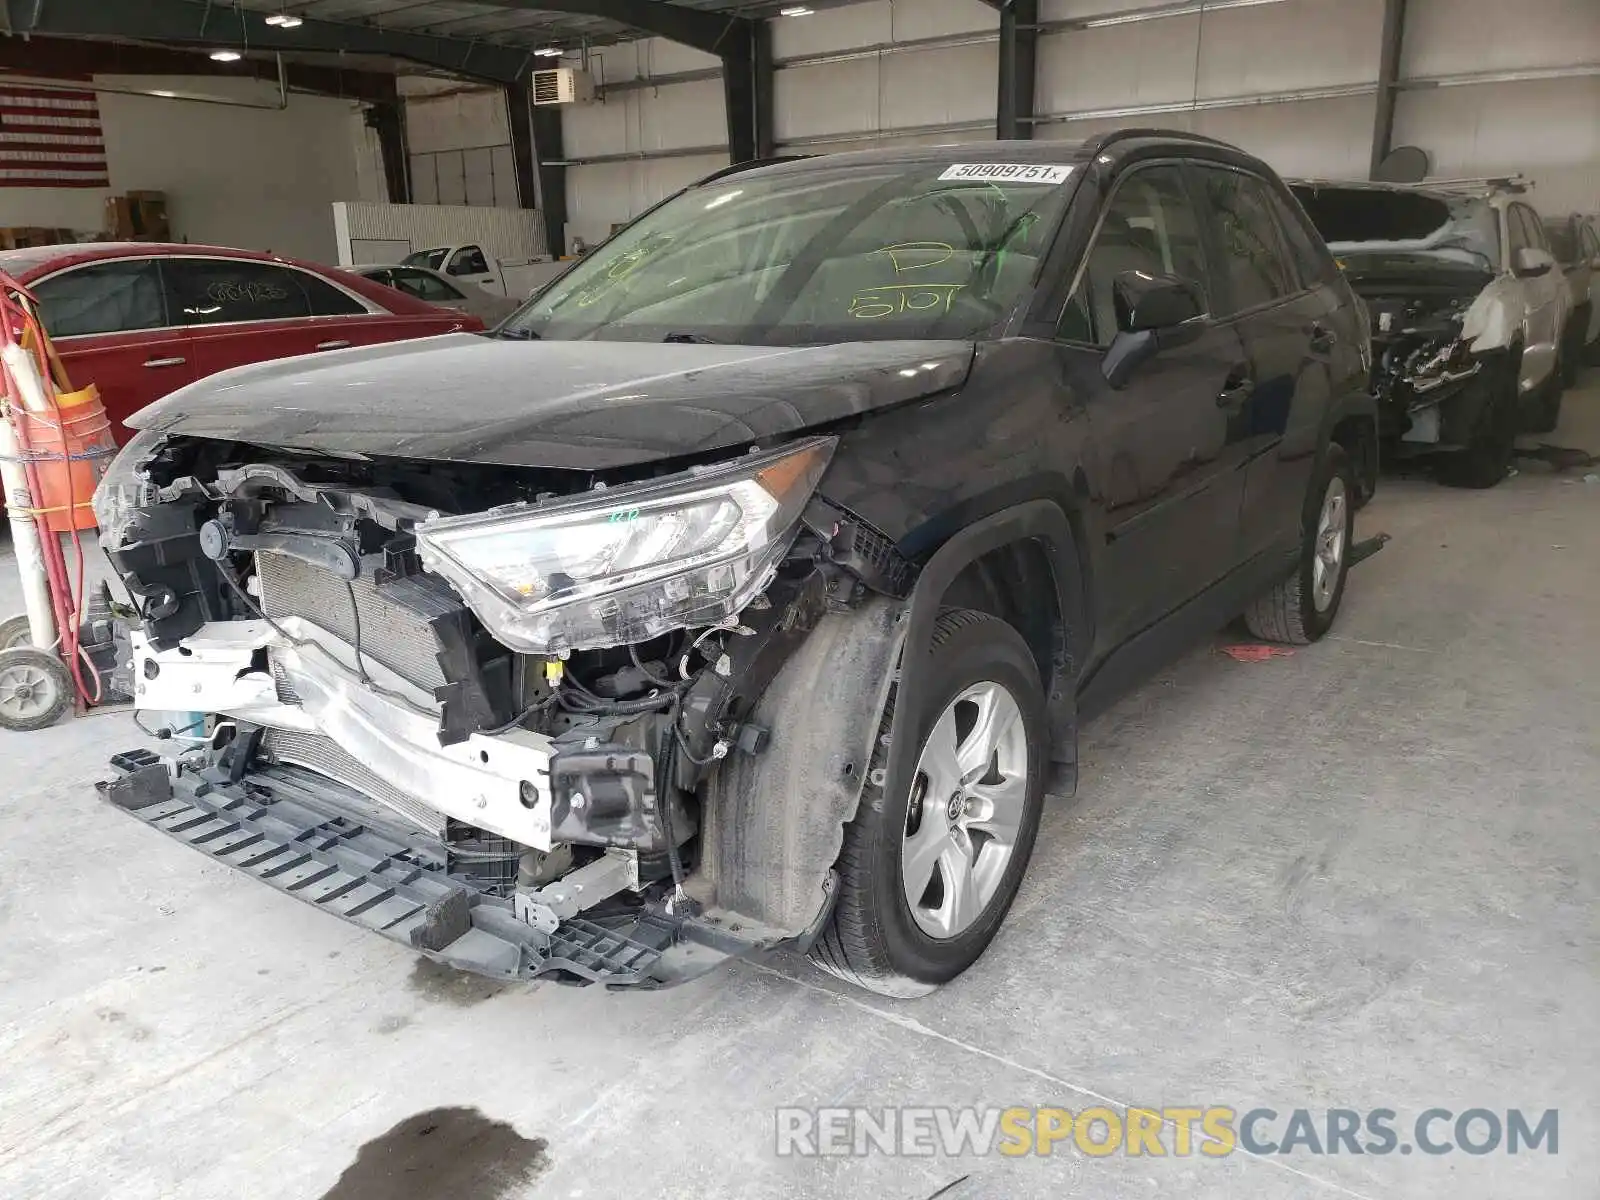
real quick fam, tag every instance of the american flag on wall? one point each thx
(50, 136)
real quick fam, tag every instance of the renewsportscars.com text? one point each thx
(1214, 1131)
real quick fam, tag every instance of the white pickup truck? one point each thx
(471, 263)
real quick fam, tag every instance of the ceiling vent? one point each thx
(562, 85)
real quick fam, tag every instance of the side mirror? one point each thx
(1531, 261)
(1154, 313)
(1152, 302)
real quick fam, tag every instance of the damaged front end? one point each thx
(1422, 364)
(473, 707)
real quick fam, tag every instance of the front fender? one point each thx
(1493, 320)
(774, 823)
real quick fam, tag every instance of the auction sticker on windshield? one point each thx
(1010, 172)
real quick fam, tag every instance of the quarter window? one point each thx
(1149, 226)
(1255, 262)
(103, 297)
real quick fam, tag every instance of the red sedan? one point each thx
(140, 319)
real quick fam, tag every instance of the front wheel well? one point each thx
(1358, 436)
(1016, 583)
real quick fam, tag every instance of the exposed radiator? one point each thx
(326, 757)
(391, 634)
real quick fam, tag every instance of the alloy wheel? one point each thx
(968, 796)
(1328, 550)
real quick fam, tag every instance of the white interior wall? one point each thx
(259, 178)
(1548, 129)
(1194, 62)
(459, 142)
(629, 125)
(878, 97)
(1229, 55)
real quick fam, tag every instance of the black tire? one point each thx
(1289, 613)
(15, 631)
(872, 939)
(1487, 456)
(48, 689)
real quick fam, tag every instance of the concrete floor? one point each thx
(1362, 876)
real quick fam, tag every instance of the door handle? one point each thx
(1322, 339)
(165, 362)
(334, 345)
(1236, 389)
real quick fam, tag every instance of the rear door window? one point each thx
(1255, 262)
(1311, 260)
(1149, 226)
(216, 291)
(103, 297)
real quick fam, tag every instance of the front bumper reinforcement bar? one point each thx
(320, 842)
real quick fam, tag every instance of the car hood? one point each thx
(579, 405)
(1381, 272)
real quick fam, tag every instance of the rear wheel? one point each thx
(927, 875)
(1301, 608)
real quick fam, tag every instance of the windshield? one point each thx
(847, 252)
(1352, 219)
(432, 259)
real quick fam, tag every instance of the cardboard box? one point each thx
(119, 217)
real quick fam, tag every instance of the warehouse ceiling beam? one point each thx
(80, 56)
(1393, 37)
(1019, 62)
(743, 44)
(707, 31)
(197, 23)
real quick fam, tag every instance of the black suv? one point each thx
(748, 586)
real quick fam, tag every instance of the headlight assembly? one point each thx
(124, 489)
(627, 564)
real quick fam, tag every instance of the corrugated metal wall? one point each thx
(1291, 80)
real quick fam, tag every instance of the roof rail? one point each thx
(1098, 144)
(751, 164)
(1516, 184)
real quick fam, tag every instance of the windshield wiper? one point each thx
(691, 339)
(515, 334)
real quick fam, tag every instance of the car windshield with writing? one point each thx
(851, 252)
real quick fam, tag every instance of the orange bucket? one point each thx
(70, 459)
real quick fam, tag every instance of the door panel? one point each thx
(1542, 299)
(1291, 329)
(111, 325)
(130, 370)
(1170, 486)
(1166, 459)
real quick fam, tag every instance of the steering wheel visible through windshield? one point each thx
(847, 252)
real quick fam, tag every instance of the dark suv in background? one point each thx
(748, 586)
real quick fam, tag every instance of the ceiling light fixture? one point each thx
(796, 10)
(285, 20)
(549, 52)
(225, 56)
